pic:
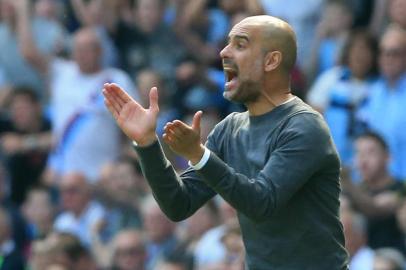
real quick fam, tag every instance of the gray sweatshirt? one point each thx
(280, 171)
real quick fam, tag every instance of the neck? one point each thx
(380, 181)
(274, 93)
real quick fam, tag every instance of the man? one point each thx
(25, 139)
(77, 113)
(377, 196)
(355, 232)
(48, 36)
(10, 257)
(275, 164)
(385, 113)
(80, 213)
(129, 251)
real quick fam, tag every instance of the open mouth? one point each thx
(230, 74)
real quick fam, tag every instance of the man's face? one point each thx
(243, 63)
(129, 252)
(371, 159)
(74, 193)
(149, 15)
(7, 11)
(392, 56)
(87, 52)
(24, 112)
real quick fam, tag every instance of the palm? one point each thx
(136, 122)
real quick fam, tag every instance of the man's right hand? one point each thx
(136, 122)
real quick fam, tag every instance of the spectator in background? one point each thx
(20, 232)
(209, 249)
(303, 16)
(377, 197)
(149, 43)
(99, 15)
(385, 111)
(25, 139)
(388, 259)
(10, 257)
(47, 36)
(76, 103)
(203, 27)
(129, 251)
(355, 233)
(80, 212)
(341, 90)
(191, 231)
(175, 262)
(5, 89)
(160, 233)
(332, 33)
(67, 250)
(39, 212)
(121, 190)
(397, 12)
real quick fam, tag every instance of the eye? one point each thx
(240, 45)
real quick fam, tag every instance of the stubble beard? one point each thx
(247, 92)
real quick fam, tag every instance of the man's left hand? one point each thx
(185, 140)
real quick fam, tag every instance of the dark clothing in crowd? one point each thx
(25, 168)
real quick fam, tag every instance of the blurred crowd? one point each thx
(72, 195)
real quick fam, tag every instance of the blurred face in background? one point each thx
(360, 58)
(87, 51)
(38, 209)
(397, 12)
(156, 225)
(46, 8)
(75, 192)
(129, 251)
(149, 15)
(7, 11)
(25, 112)
(232, 6)
(336, 18)
(371, 158)
(392, 58)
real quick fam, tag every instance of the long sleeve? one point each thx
(303, 148)
(179, 196)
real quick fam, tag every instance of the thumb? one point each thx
(153, 100)
(196, 121)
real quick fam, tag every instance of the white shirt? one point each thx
(93, 139)
(363, 259)
(80, 226)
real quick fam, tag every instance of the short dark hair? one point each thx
(375, 137)
(25, 91)
(363, 35)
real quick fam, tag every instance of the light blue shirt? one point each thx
(385, 113)
(82, 225)
(48, 37)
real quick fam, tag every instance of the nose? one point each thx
(225, 52)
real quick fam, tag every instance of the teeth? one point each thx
(230, 74)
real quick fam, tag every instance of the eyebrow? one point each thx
(238, 37)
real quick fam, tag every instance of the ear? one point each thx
(273, 60)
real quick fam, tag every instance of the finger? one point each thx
(175, 133)
(114, 103)
(183, 128)
(111, 108)
(153, 100)
(120, 93)
(196, 121)
(168, 139)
